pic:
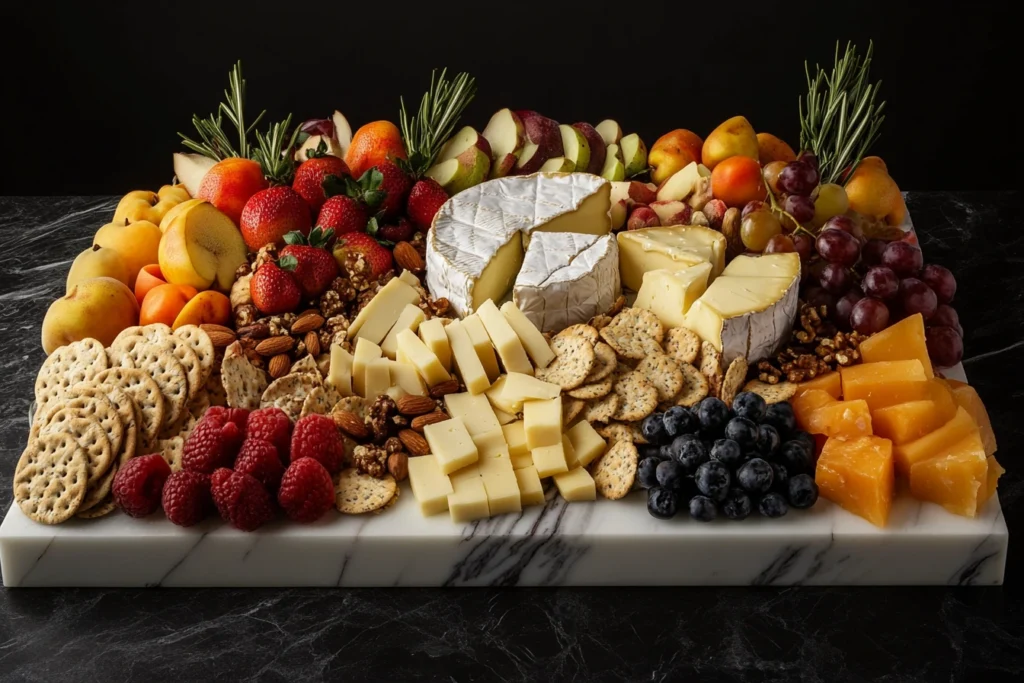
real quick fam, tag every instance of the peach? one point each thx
(672, 151)
(97, 261)
(874, 193)
(229, 184)
(99, 308)
(204, 307)
(149, 277)
(733, 137)
(164, 302)
(373, 143)
(201, 248)
(737, 180)
(772, 148)
(176, 211)
(137, 243)
(142, 205)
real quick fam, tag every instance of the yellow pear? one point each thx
(97, 261)
(99, 308)
(143, 205)
(733, 137)
(137, 243)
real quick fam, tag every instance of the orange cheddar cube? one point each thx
(886, 383)
(995, 470)
(934, 444)
(857, 474)
(940, 392)
(831, 383)
(957, 480)
(903, 341)
(967, 398)
(843, 419)
(806, 403)
(904, 422)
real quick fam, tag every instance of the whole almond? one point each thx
(416, 405)
(218, 334)
(398, 466)
(254, 331)
(407, 257)
(272, 346)
(418, 423)
(310, 320)
(279, 365)
(414, 442)
(312, 342)
(450, 386)
(350, 423)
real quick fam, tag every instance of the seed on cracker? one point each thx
(602, 409)
(356, 493)
(244, 383)
(574, 359)
(771, 393)
(579, 330)
(694, 389)
(621, 431)
(615, 471)
(682, 345)
(711, 367)
(734, 378)
(288, 393)
(604, 363)
(663, 373)
(637, 397)
(594, 390)
(148, 399)
(50, 479)
(571, 408)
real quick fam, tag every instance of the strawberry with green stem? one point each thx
(309, 261)
(359, 243)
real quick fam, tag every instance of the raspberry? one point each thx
(212, 444)
(315, 436)
(307, 491)
(273, 425)
(259, 459)
(138, 485)
(222, 415)
(241, 500)
(186, 498)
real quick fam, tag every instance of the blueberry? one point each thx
(749, 405)
(803, 492)
(650, 451)
(713, 480)
(727, 452)
(742, 431)
(670, 475)
(653, 429)
(703, 509)
(806, 439)
(780, 416)
(737, 505)
(667, 452)
(755, 476)
(768, 440)
(680, 420)
(691, 453)
(646, 472)
(772, 505)
(780, 477)
(796, 457)
(662, 503)
(712, 414)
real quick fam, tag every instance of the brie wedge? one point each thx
(672, 248)
(669, 294)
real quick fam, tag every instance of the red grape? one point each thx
(845, 306)
(803, 245)
(843, 223)
(798, 178)
(941, 281)
(945, 346)
(755, 205)
(800, 208)
(816, 296)
(904, 259)
(809, 158)
(917, 297)
(835, 278)
(779, 244)
(836, 246)
(946, 316)
(881, 283)
(869, 316)
(871, 253)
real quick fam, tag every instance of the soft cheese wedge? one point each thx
(669, 294)
(672, 248)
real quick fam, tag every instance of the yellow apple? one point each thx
(175, 211)
(201, 248)
(97, 261)
(733, 137)
(137, 243)
(142, 205)
(99, 308)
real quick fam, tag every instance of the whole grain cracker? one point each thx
(662, 372)
(68, 365)
(621, 431)
(244, 383)
(288, 393)
(602, 409)
(634, 333)
(353, 404)
(215, 387)
(574, 359)
(316, 402)
(168, 373)
(571, 408)
(594, 390)
(168, 343)
(615, 471)
(127, 411)
(600, 321)
(734, 378)
(200, 404)
(771, 393)
(711, 367)
(183, 427)
(356, 493)
(149, 331)
(171, 450)
(579, 330)
(89, 402)
(149, 401)
(694, 389)
(682, 345)
(101, 509)
(637, 397)
(604, 363)
(307, 364)
(98, 491)
(50, 479)
(90, 437)
(200, 343)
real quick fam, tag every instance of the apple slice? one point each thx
(680, 184)
(575, 147)
(505, 135)
(558, 165)
(543, 141)
(610, 131)
(634, 154)
(633, 192)
(312, 142)
(464, 171)
(342, 132)
(672, 212)
(462, 142)
(596, 144)
(613, 169)
(202, 248)
(189, 169)
(704, 171)
(619, 213)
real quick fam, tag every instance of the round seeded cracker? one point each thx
(579, 330)
(637, 397)
(621, 431)
(571, 408)
(595, 390)
(634, 333)
(149, 401)
(356, 493)
(694, 389)
(101, 509)
(51, 479)
(735, 376)
(316, 402)
(68, 365)
(662, 372)
(604, 363)
(171, 449)
(156, 361)
(574, 359)
(89, 403)
(168, 343)
(602, 409)
(711, 367)
(615, 471)
(98, 491)
(126, 410)
(682, 345)
(771, 393)
(289, 393)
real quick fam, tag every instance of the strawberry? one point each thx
(399, 231)
(425, 200)
(306, 492)
(271, 214)
(378, 257)
(274, 290)
(395, 184)
(139, 485)
(312, 266)
(343, 214)
(241, 499)
(309, 177)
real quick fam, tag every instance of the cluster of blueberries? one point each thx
(720, 461)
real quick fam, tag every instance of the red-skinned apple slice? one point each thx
(632, 192)
(464, 171)
(613, 169)
(543, 142)
(634, 154)
(672, 213)
(575, 147)
(558, 165)
(597, 147)
(505, 135)
(680, 184)
(190, 169)
(610, 131)
(342, 132)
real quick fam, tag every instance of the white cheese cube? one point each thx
(378, 378)
(467, 362)
(669, 294)
(506, 341)
(340, 374)
(432, 333)
(569, 452)
(521, 460)
(482, 345)
(418, 354)
(502, 490)
(451, 444)
(586, 442)
(491, 445)
(543, 422)
(519, 388)
(497, 398)
(468, 502)
(576, 485)
(515, 437)
(379, 316)
(549, 460)
(366, 351)
(475, 411)
(503, 417)
(409, 319)
(409, 279)
(533, 341)
(405, 377)
(531, 492)
(430, 486)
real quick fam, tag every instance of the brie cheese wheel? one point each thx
(749, 310)
(567, 278)
(478, 239)
(673, 248)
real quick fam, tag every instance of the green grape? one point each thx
(831, 201)
(758, 228)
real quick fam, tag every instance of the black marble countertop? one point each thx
(655, 634)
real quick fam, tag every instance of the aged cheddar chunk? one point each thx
(468, 501)
(886, 383)
(905, 422)
(405, 377)
(340, 374)
(843, 419)
(940, 392)
(505, 340)
(531, 491)
(433, 335)
(533, 341)
(831, 383)
(475, 411)
(430, 486)
(967, 398)
(378, 378)
(586, 442)
(857, 474)
(451, 444)
(519, 388)
(903, 341)
(414, 351)
(576, 485)
(496, 395)
(549, 460)
(543, 423)
(935, 443)
(957, 480)
(806, 403)
(467, 361)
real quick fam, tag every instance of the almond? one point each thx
(414, 442)
(415, 405)
(398, 466)
(219, 335)
(279, 365)
(312, 342)
(350, 423)
(406, 256)
(272, 346)
(450, 386)
(310, 320)
(418, 423)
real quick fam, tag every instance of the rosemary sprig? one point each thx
(275, 152)
(440, 109)
(840, 118)
(214, 141)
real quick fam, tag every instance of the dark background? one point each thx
(95, 92)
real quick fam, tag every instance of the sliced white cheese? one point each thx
(669, 294)
(413, 350)
(537, 347)
(496, 395)
(379, 316)
(505, 340)
(405, 377)
(432, 333)
(378, 378)
(409, 319)
(366, 352)
(671, 248)
(340, 374)
(474, 326)
(430, 486)
(474, 410)
(467, 362)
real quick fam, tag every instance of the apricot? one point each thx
(137, 243)
(872, 192)
(957, 480)
(164, 302)
(97, 261)
(142, 205)
(831, 383)
(229, 184)
(204, 307)
(843, 419)
(733, 137)
(673, 151)
(737, 180)
(857, 474)
(99, 308)
(149, 277)
(373, 143)
(771, 148)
